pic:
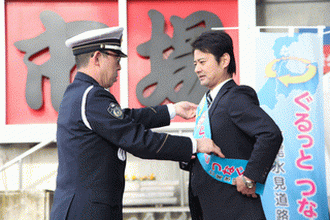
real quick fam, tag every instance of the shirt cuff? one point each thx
(171, 110)
(194, 145)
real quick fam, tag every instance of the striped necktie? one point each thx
(208, 98)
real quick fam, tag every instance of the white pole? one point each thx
(247, 41)
(122, 13)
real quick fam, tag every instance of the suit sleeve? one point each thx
(259, 126)
(129, 130)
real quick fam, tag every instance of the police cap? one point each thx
(98, 39)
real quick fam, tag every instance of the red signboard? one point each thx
(140, 28)
(23, 22)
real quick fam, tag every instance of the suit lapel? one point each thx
(224, 89)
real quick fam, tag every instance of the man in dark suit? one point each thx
(239, 127)
(94, 133)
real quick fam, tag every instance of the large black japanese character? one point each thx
(177, 71)
(61, 61)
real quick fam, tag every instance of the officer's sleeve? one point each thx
(124, 130)
(150, 117)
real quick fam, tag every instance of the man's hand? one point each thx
(206, 145)
(186, 110)
(240, 185)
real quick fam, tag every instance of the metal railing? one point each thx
(20, 158)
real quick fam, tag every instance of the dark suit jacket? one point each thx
(243, 131)
(92, 132)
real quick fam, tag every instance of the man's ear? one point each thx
(95, 58)
(225, 60)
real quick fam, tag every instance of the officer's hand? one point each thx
(186, 110)
(240, 185)
(206, 145)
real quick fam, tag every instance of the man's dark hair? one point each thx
(217, 43)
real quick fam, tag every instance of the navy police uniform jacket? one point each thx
(93, 136)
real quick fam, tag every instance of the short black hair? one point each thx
(217, 43)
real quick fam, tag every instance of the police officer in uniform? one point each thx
(94, 133)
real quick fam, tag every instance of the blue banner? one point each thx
(289, 86)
